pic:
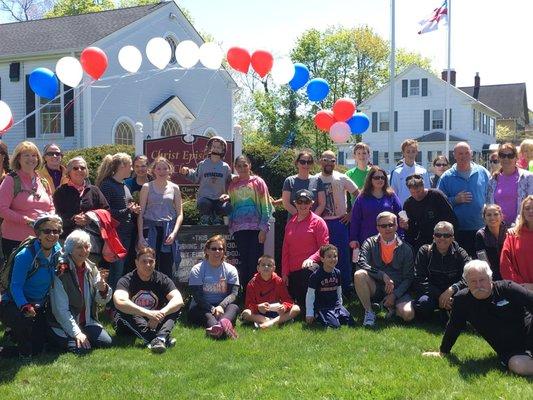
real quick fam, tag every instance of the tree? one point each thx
(25, 10)
(76, 7)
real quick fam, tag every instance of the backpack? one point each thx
(17, 184)
(7, 269)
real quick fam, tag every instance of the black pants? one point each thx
(137, 325)
(29, 333)
(8, 246)
(201, 318)
(298, 282)
(98, 337)
(164, 261)
(249, 250)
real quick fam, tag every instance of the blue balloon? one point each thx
(301, 76)
(317, 89)
(358, 123)
(44, 83)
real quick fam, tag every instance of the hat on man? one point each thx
(304, 194)
(41, 219)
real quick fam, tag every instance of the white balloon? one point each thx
(69, 71)
(159, 52)
(187, 53)
(282, 71)
(5, 115)
(211, 55)
(130, 58)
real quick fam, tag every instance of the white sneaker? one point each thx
(370, 319)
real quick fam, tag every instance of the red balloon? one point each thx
(324, 119)
(9, 125)
(343, 109)
(262, 62)
(94, 62)
(239, 59)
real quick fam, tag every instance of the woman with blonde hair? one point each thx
(111, 174)
(526, 155)
(24, 195)
(515, 261)
(161, 216)
(52, 169)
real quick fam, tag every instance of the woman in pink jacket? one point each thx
(304, 234)
(24, 195)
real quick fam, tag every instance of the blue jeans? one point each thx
(98, 337)
(213, 207)
(116, 269)
(339, 236)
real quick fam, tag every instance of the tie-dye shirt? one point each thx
(251, 205)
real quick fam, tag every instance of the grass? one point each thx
(282, 363)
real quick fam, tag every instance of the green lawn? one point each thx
(282, 363)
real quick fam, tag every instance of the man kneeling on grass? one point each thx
(148, 303)
(499, 311)
(268, 301)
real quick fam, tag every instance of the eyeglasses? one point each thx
(441, 165)
(216, 248)
(49, 231)
(378, 178)
(53, 154)
(303, 162)
(390, 225)
(331, 160)
(494, 161)
(79, 168)
(510, 156)
(443, 235)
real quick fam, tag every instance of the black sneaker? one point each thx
(157, 346)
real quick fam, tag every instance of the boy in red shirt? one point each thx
(268, 302)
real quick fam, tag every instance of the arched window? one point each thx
(173, 44)
(124, 133)
(210, 132)
(170, 127)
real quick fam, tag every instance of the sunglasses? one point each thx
(331, 160)
(510, 156)
(48, 231)
(267, 266)
(53, 154)
(441, 165)
(216, 248)
(494, 161)
(387, 225)
(80, 168)
(378, 178)
(443, 235)
(303, 201)
(303, 162)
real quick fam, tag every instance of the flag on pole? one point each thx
(432, 22)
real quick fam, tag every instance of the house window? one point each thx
(491, 126)
(124, 133)
(484, 123)
(383, 121)
(414, 87)
(210, 132)
(480, 121)
(50, 116)
(173, 44)
(474, 120)
(170, 127)
(437, 120)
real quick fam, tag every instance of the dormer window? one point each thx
(414, 87)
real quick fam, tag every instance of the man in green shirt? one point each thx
(358, 174)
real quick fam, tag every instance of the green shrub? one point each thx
(95, 155)
(190, 213)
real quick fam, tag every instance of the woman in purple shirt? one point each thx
(509, 185)
(377, 196)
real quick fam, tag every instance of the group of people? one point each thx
(405, 242)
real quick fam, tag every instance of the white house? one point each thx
(419, 114)
(121, 107)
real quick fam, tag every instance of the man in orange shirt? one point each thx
(385, 271)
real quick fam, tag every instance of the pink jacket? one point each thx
(13, 210)
(302, 241)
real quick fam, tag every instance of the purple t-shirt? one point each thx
(506, 194)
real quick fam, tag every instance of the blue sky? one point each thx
(491, 37)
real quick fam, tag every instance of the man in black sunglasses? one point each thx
(22, 308)
(438, 272)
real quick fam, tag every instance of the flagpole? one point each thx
(392, 68)
(447, 113)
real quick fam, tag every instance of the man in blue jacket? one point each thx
(465, 184)
(23, 305)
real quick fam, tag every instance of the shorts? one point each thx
(380, 294)
(335, 317)
(269, 314)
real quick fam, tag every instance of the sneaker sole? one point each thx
(228, 328)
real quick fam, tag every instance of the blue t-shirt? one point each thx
(326, 285)
(214, 281)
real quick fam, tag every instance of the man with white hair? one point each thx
(499, 311)
(385, 271)
(465, 184)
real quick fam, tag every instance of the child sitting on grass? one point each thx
(324, 293)
(268, 302)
